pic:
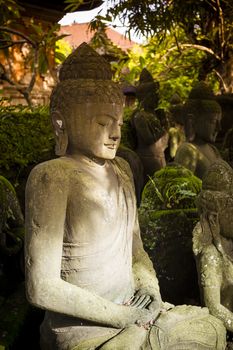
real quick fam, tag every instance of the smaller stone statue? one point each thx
(202, 123)
(176, 130)
(151, 134)
(213, 242)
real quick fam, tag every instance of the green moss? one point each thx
(167, 216)
(173, 187)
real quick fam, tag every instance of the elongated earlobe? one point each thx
(61, 136)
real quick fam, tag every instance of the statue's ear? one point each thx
(211, 227)
(61, 136)
(189, 127)
(206, 237)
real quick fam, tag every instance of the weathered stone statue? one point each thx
(85, 263)
(176, 131)
(202, 123)
(152, 137)
(213, 242)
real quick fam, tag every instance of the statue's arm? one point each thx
(46, 203)
(187, 156)
(211, 278)
(146, 283)
(212, 299)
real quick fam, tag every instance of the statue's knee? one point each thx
(131, 338)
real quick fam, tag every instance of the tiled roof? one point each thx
(79, 32)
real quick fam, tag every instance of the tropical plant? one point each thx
(28, 42)
(176, 71)
(173, 187)
(26, 138)
(207, 25)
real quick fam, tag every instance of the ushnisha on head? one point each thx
(147, 91)
(86, 106)
(202, 114)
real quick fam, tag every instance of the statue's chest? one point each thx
(93, 189)
(95, 203)
(96, 208)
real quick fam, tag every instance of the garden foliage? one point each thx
(26, 138)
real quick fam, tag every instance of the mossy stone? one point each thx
(167, 217)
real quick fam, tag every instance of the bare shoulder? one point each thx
(187, 154)
(53, 172)
(187, 147)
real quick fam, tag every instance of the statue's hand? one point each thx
(155, 307)
(140, 317)
(141, 299)
(145, 299)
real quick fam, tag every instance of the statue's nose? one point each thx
(115, 138)
(115, 132)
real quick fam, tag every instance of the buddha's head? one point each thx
(86, 106)
(147, 91)
(215, 201)
(202, 114)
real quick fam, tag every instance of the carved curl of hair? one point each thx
(213, 202)
(69, 93)
(200, 108)
(217, 188)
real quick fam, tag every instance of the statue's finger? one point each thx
(141, 301)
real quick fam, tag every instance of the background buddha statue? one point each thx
(213, 242)
(176, 130)
(150, 126)
(202, 123)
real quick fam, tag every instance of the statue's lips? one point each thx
(110, 145)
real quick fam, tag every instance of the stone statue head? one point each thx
(202, 114)
(147, 91)
(215, 203)
(83, 103)
(177, 109)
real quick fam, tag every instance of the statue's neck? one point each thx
(86, 159)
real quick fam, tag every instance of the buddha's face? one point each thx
(94, 130)
(207, 126)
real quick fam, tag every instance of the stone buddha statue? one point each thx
(202, 123)
(151, 134)
(84, 258)
(176, 130)
(213, 242)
